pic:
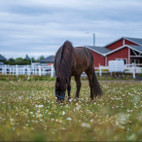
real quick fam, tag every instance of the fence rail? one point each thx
(49, 70)
(26, 70)
(128, 69)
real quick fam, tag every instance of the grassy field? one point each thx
(28, 111)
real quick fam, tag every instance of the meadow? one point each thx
(28, 112)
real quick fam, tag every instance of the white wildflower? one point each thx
(85, 125)
(52, 119)
(39, 106)
(63, 113)
(69, 118)
(63, 128)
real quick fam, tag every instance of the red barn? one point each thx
(127, 49)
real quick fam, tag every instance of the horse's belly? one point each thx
(78, 70)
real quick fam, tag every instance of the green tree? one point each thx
(27, 57)
(19, 61)
(33, 59)
(11, 61)
(27, 60)
(40, 58)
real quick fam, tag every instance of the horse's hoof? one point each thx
(69, 100)
(77, 99)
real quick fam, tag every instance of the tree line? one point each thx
(24, 61)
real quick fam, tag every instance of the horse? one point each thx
(73, 61)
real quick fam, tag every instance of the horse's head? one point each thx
(60, 88)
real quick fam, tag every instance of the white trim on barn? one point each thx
(136, 54)
(123, 42)
(105, 60)
(129, 56)
(124, 38)
(121, 47)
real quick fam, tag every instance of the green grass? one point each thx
(28, 112)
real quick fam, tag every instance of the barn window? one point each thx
(136, 61)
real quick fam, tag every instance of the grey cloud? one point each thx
(33, 26)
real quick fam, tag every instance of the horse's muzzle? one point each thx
(60, 96)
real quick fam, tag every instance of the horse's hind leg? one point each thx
(69, 89)
(90, 78)
(94, 84)
(78, 85)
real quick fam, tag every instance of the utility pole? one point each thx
(93, 39)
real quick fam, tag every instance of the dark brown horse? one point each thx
(70, 61)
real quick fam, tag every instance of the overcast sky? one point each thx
(39, 27)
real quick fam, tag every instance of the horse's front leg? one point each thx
(69, 89)
(78, 85)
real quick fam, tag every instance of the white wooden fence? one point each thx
(49, 70)
(26, 70)
(128, 69)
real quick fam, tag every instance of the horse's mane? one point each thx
(63, 60)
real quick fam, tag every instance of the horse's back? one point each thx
(82, 60)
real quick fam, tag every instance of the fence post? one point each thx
(43, 71)
(5, 70)
(16, 70)
(10, 70)
(39, 70)
(36, 72)
(134, 76)
(33, 72)
(52, 70)
(100, 71)
(28, 73)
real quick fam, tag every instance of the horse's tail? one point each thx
(96, 87)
